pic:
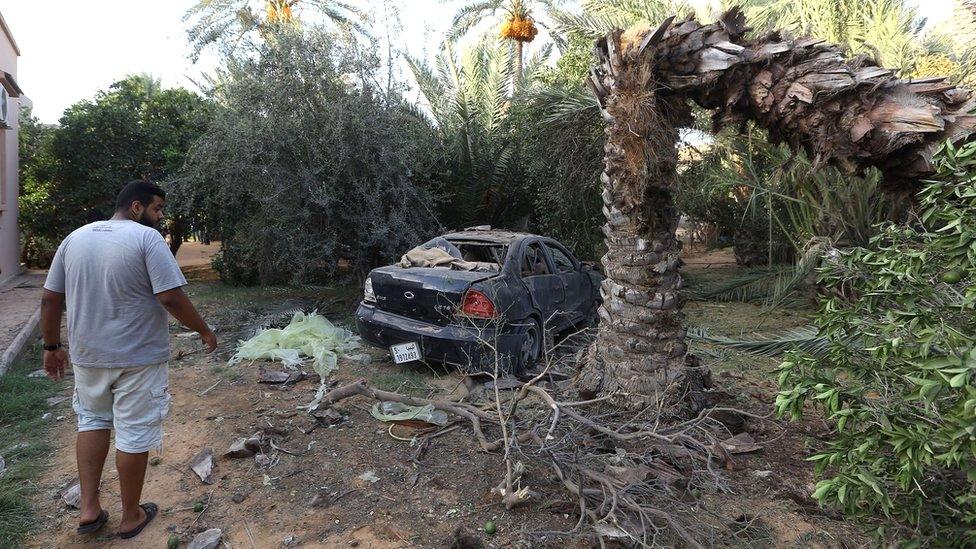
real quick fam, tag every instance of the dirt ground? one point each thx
(317, 498)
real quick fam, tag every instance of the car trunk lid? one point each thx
(422, 293)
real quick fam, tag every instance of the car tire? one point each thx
(530, 349)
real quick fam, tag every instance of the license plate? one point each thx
(405, 352)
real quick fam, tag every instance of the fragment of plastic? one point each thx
(310, 335)
(396, 411)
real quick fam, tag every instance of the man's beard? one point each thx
(143, 220)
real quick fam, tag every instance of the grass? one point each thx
(22, 444)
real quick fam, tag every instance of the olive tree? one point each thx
(306, 164)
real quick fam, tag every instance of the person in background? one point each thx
(118, 280)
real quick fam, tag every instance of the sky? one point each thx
(71, 49)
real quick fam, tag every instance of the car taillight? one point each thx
(477, 305)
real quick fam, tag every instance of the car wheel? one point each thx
(530, 348)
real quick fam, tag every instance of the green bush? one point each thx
(307, 163)
(233, 265)
(897, 385)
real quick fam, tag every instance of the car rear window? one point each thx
(482, 252)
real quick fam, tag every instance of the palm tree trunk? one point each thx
(640, 351)
(853, 114)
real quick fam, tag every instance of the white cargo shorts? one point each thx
(134, 400)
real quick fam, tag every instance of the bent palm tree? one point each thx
(853, 114)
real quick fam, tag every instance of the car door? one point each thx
(576, 284)
(545, 287)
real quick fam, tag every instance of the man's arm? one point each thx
(56, 361)
(178, 305)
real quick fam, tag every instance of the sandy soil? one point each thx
(195, 254)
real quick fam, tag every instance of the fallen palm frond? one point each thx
(773, 287)
(804, 338)
(755, 285)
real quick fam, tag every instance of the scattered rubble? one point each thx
(370, 477)
(72, 495)
(327, 417)
(741, 443)
(54, 401)
(280, 377)
(244, 447)
(206, 540)
(203, 464)
(398, 412)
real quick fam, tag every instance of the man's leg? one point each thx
(92, 403)
(132, 475)
(91, 449)
(141, 403)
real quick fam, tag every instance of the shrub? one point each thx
(307, 163)
(897, 384)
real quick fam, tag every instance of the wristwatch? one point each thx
(52, 346)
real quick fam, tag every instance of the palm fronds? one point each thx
(803, 338)
(754, 285)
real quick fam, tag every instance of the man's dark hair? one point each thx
(140, 190)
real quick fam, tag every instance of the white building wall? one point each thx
(9, 166)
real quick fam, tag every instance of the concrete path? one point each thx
(20, 300)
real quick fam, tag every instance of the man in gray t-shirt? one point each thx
(118, 280)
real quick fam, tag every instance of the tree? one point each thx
(228, 22)
(895, 379)
(133, 130)
(37, 213)
(853, 114)
(517, 24)
(305, 166)
(479, 156)
(71, 173)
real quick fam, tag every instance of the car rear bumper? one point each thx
(462, 346)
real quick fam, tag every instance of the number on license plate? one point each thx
(405, 352)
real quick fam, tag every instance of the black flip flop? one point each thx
(151, 510)
(95, 525)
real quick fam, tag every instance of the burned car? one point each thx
(478, 296)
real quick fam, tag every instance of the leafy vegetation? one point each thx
(74, 171)
(901, 401)
(306, 164)
(22, 403)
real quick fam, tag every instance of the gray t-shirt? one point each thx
(110, 272)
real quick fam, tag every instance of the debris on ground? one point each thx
(54, 401)
(206, 540)
(203, 464)
(327, 417)
(741, 443)
(396, 412)
(72, 495)
(240, 449)
(279, 377)
(310, 335)
(370, 477)
(507, 382)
